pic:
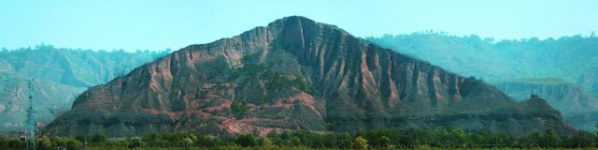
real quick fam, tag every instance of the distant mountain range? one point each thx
(59, 75)
(296, 74)
(570, 58)
(564, 71)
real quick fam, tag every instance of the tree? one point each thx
(535, 139)
(266, 142)
(247, 140)
(44, 143)
(15, 143)
(458, 137)
(134, 142)
(361, 143)
(442, 137)
(550, 139)
(504, 139)
(295, 141)
(345, 140)
(68, 143)
(3, 141)
(209, 141)
(579, 140)
(98, 138)
(381, 137)
(422, 137)
(483, 138)
(187, 141)
(239, 108)
(596, 137)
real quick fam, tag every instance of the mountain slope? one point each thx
(589, 80)
(60, 75)
(571, 100)
(568, 59)
(567, 98)
(80, 68)
(497, 61)
(295, 74)
(50, 99)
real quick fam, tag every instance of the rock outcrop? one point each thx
(294, 74)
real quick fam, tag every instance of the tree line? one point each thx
(372, 139)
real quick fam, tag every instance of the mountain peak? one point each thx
(293, 18)
(291, 21)
(300, 24)
(293, 74)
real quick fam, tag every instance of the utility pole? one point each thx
(30, 140)
(495, 141)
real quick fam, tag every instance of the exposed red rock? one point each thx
(295, 73)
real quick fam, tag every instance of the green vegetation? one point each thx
(280, 81)
(60, 75)
(274, 80)
(239, 108)
(539, 80)
(454, 138)
(361, 143)
(73, 67)
(566, 58)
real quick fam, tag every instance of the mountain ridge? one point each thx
(294, 74)
(570, 99)
(59, 74)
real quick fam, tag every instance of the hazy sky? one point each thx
(160, 24)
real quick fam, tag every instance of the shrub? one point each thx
(361, 143)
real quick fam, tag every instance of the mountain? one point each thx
(568, 65)
(570, 99)
(296, 74)
(587, 121)
(565, 97)
(49, 98)
(59, 76)
(589, 80)
(567, 58)
(75, 67)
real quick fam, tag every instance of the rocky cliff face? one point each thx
(296, 74)
(575, 103)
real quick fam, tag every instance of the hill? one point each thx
(291, 75)
(59, 75)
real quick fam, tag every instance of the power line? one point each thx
(30, 139)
